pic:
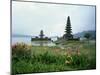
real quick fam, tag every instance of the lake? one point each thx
(27, 40)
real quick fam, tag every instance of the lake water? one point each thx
(27, 40)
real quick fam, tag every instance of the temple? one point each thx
(41, 37)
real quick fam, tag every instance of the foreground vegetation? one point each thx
(75, 55)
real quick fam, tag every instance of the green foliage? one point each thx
(45, 59)
(79, 61)
(37, 63)
(87, 35)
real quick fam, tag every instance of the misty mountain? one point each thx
(81, 34)
(21, 35)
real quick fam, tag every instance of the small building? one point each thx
(41, 40)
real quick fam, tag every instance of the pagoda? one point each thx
(41, 37)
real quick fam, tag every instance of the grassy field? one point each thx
(75, 55)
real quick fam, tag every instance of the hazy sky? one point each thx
(30, 18)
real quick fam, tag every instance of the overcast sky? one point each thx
(30, 18)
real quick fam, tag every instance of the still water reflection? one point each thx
(27, 40)
(43, 43)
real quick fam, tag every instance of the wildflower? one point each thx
(69, 51)
(78, 51)
(28, 47)
(67, 62)
(69, 59)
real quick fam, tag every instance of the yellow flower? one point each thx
(69, 59)
(67, 62)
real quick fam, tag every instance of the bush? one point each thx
(79, 61)
(20, 49)
(50, 58)
(82, 62)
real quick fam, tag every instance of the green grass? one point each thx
(52, 59)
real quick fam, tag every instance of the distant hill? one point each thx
(81, 34)
(21, 35)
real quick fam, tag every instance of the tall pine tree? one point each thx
(68, 31)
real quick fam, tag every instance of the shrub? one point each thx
(79, 61)
(21, 51)
(47, 58)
